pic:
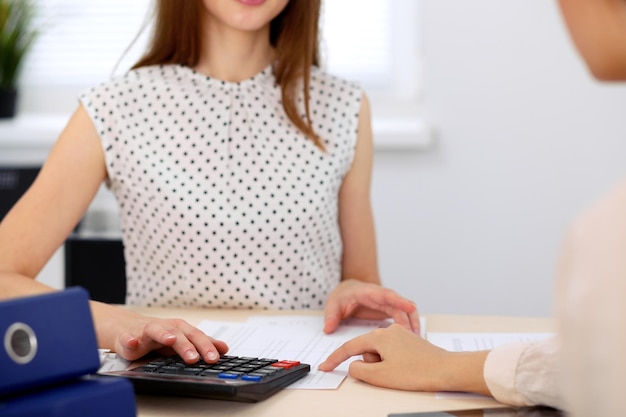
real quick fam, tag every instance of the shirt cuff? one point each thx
(500, 371)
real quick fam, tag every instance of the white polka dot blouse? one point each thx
(223, 202)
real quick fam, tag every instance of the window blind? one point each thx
(81, 42)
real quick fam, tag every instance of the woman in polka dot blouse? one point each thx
(241, 171)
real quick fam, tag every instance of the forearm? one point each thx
(463, 371)
(360, 258)
(13, 284)
(107, 319)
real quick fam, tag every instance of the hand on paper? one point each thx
(354, 298)
(167, 336)
(394, 357)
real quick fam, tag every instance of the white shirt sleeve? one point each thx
(525, 373)
(591, 306)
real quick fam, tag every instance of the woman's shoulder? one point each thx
(159, 73)
(327, 87)
(139, 78)
(322, 77)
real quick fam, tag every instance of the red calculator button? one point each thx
(286, 364)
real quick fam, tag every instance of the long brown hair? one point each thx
(177, 39)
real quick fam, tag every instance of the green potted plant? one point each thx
(17, 34)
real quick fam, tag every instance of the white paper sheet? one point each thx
(458, 342)
(292, 338)
(110, 361)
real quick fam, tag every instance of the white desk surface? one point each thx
(353, 398)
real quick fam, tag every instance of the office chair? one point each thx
(94, 263)
(14, 181)
(97, 264)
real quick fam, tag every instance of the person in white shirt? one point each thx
(583, 368)
(242, 175)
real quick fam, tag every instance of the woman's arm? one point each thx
(41, 221)
(396, 358)
(521, 374)
(360, 294)
(47, 213)
(356, 220)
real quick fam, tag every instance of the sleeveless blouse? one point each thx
(223, 202)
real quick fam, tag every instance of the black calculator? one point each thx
(233, 378)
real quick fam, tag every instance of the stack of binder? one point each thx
(49, 359)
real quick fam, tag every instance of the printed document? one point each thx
(458, 342)
(292, 338)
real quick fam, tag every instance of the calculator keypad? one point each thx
(227, 367)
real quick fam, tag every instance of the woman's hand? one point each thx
(397, 358)
(354, 298)
(168, 336)
(132, 335)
